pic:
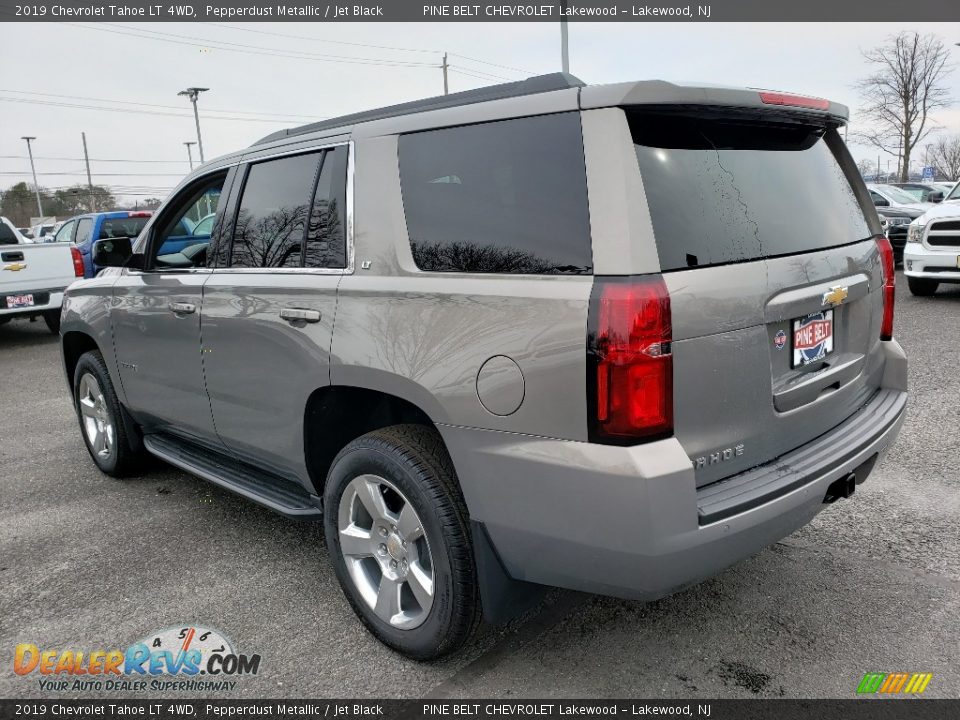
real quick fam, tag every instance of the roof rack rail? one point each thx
(530, 86)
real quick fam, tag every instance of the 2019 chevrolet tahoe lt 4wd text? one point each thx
(539, 334)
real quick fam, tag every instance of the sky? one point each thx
(267, 76)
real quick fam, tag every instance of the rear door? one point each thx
(774, 280)
(268, 310)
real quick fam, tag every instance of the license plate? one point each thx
(812, 338)
(15, 301)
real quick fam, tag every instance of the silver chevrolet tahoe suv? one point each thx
(539, 334)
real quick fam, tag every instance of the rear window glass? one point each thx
(122, 227)
(501, 197)
(723, 190)
(7, 236)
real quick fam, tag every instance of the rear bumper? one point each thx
(630, 521)
(941, 264)
(54, 302)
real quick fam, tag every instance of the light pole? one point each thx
(190, 153)
(564, 41)
(193, 93)
(36, 188)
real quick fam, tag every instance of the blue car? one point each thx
(83, 230)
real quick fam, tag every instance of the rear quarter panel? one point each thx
(424, 336)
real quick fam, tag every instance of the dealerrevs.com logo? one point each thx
(189, 658)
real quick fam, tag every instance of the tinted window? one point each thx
(7, 236)
(327, 229)
(503, 197)
(180, 241)
(84, 228)
(122, 227)
(723, 191)
(271, 221)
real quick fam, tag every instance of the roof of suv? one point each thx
(530, 86)
(645, 92)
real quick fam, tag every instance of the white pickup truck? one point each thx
(33, 277)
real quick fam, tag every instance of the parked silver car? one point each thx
(540, 334)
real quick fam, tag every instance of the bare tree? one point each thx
(865, 167)
(945, 156)
(907, 85)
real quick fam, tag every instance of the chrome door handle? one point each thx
(294, 314)
(181, 308)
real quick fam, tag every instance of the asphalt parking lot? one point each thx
(873, 584)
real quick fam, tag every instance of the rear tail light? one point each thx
(889, 284)
(629, 361)
(77, 262)
(140, 214)
(778, 98)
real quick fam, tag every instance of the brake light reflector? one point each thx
(629, 361)
(777, 98)
(77, 262)
(139, 213)
(889, 286)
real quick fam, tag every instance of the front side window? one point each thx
(182, 239)
(501, 197)
(272, 216)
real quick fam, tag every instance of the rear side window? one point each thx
(502, 197)
(122, 227)
(84, 228)
(724, 190)
(7, 236)
(272, 216)
(326, 245)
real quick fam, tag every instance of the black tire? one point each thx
(52, 319)
(122, 460)
(922, 287)
(414, 460)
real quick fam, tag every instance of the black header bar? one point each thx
(472, 11)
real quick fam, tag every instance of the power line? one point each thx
(333, 42)
(103, 160)
(247, 49)
(486, 62)
(470, 73)
(99, 174)
(79, 106)
(165, 107)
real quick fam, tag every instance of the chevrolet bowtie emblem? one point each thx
(15, 266)
(835, 296)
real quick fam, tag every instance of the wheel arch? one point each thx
(337, 414)
(74, 344)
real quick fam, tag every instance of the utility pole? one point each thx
(190, 153)
(86, 159)
(193, 93)
(36, 188)
(446, 84)
(564, 41)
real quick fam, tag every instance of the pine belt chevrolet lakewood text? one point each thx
(538, 334)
